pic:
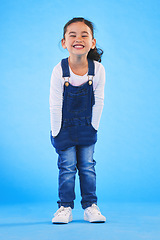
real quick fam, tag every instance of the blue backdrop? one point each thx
(128, 151)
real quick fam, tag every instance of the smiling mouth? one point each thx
(78, 46)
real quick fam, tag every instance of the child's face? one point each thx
(78, 39)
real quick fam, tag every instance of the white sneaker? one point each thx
(63, 215)
(93, 214)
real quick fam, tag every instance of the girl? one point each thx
(76, 103)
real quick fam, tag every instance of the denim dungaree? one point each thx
(76, 128)
(75, 141)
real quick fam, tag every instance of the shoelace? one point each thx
(94, 209)
(62, 210)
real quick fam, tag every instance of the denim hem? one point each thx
(88, 204)
(65, 204)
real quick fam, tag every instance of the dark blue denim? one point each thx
(69, 161)
(75, 141)
(78, 101)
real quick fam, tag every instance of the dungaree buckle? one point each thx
(90, 80)
(66, 82)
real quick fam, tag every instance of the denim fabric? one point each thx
(76, 126)
(75, 142)
(70, 160)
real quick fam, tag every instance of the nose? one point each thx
(79, 39)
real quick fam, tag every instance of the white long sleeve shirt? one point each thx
(56, 94)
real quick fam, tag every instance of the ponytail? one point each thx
(95, 54)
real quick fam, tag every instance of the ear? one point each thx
(63, 42)
(93, 43)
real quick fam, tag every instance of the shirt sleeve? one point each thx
(99, 99)
(55, 100)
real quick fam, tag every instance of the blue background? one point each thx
(127, 152)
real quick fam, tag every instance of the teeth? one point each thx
(78, 46)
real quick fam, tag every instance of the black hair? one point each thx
(94, 54)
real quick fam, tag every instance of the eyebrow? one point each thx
(75, 32)
(85, 32)
(72, 33)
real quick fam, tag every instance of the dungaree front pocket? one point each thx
(77, 102)
(61, 141)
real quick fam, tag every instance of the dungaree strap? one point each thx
(65, 67)
(90, 67)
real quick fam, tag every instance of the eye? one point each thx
(84, 36)
(72, 35)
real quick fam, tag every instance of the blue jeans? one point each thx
(69, 161)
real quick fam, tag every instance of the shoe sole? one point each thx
(62, 222)
(97, 222)
(94, 221)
